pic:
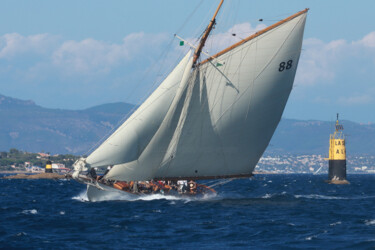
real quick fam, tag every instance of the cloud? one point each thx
(90, 56)
(368, 40)
(226, 39)
(14, 45)
(67, 67)
(318, 61)
(322, 63)
(66, 70)
(355, 100)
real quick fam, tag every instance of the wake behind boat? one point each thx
(208, 119)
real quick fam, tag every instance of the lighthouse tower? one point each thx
(337, 156)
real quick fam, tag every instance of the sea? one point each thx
(283, 211)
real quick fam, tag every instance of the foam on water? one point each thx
(31, 211)
(320, 197)
(370, 222)
(123, 196)
(268, 196)
(335, 223)
(326, 197)
(81, 196)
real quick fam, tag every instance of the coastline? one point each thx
(37, 176)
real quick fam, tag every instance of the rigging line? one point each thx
(171, 148)
(253, 82)
(163, 57)
(221, 148)
(268, 33)
(203, 22)
(228, 60)
(217, 99)
(280, 15)
(189, 17)
(126, 116)
(221, 183)
(204, 38)
(264, 68)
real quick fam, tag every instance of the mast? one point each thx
(198, 51)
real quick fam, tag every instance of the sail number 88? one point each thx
(285, 65)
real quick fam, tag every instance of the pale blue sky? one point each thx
(76, 54)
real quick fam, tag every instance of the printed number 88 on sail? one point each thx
(287, 65)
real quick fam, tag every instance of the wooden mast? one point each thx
(198, 51)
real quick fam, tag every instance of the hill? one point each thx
(312, 137)
(29, 127)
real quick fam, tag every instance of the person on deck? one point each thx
(182, 186)
(192, 187)
(92, 173)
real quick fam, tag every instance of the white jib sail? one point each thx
(131, 138)
(217, 128)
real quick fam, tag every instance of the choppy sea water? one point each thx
(269, 211)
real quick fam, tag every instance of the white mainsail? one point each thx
(130, 139)
(217, 128)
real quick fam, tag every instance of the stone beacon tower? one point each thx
(337, 156)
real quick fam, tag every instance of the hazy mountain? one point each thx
(312, 137)
(32, 128)
(29, 127)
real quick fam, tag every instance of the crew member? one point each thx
(92, 173)
(192, 187)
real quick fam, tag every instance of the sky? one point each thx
(76, 54)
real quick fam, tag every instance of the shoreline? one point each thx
(36, 176)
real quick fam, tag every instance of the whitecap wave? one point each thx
(31, 211)
(81, 197)
(335, 223)
(311, 237)
(124, 196)
(319, 197)
(370, 222)
(326, 197)
(268, 196)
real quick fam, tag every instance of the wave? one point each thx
(31, 211)
(335, 223)
(268, 196)
(81, 197)
(326, 197)
(370, 222)
(319, 197)
(123, 196)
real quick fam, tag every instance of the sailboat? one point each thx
(209, 119)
